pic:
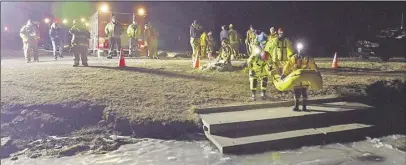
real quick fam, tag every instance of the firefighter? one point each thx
(57, 35)
(203, 43)
(133, 34)
(234, 41)
(151, 38)
(80, 43)
(194, 37)
(224, 58)
(29, 33)
(281, 50)
(272, 37)
(250, 39)
(258, 65)
(210, 45)
(113, 32)
(299, 62)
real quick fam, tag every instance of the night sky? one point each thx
(322, 26)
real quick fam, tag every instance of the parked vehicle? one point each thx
(388, 43)
(99, 43)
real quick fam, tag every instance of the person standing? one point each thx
(29, 33)
(151, 37)
(133, 34)
(203, 43)
(271, 38)
(113, 32)
(258, 65)
(56, 35)
(195, 38)
(224, 33)
(281, 50)
(210, 45)
(250, 39)
(234, 41)
(80, 43)
(294, 63)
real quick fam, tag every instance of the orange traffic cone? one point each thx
(335, 62)
(121, 62)
(196, 62)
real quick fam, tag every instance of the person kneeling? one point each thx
(299, 62)
(258, 66)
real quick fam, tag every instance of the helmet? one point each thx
(230, 26)
(280, 30)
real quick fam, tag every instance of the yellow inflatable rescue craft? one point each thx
(298, 77)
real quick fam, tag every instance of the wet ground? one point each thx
(383, 151)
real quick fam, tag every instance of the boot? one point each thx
(304, 104)
(85, 65)
(296, 107)
(263, 95)
(253, 96)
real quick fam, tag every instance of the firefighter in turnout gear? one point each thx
(210, 45)
(203, 43)
(294, 63)
(29, 33)
(258, 65)
(133, 32)
(79, 43)
(113, 32)
(226, 52)
(281, 49)
(271, 38)
(234, 41)
(195, 38)
(151, 38)
(250, 39)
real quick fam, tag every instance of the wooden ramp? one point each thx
(277, 128)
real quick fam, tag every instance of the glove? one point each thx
(252, 73)
(282, 77)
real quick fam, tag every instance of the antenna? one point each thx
(401, 24)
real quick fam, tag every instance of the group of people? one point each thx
(79, 44)
(274, 54)
(134, 31)
(203, 44)
(268, 54)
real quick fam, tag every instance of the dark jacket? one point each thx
(57, 33)
(80, 36)
(223, 35)
(194, 32)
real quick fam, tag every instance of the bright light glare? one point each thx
(299, 46)
(5, 28)
(104, 8)
(257, 50)
(82, 19)
(87, 24)
(64, 21)
(47, 20)
(141, 11)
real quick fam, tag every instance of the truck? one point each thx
(387, 43)
(98, 43)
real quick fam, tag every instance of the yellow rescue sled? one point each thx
(298, 77)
